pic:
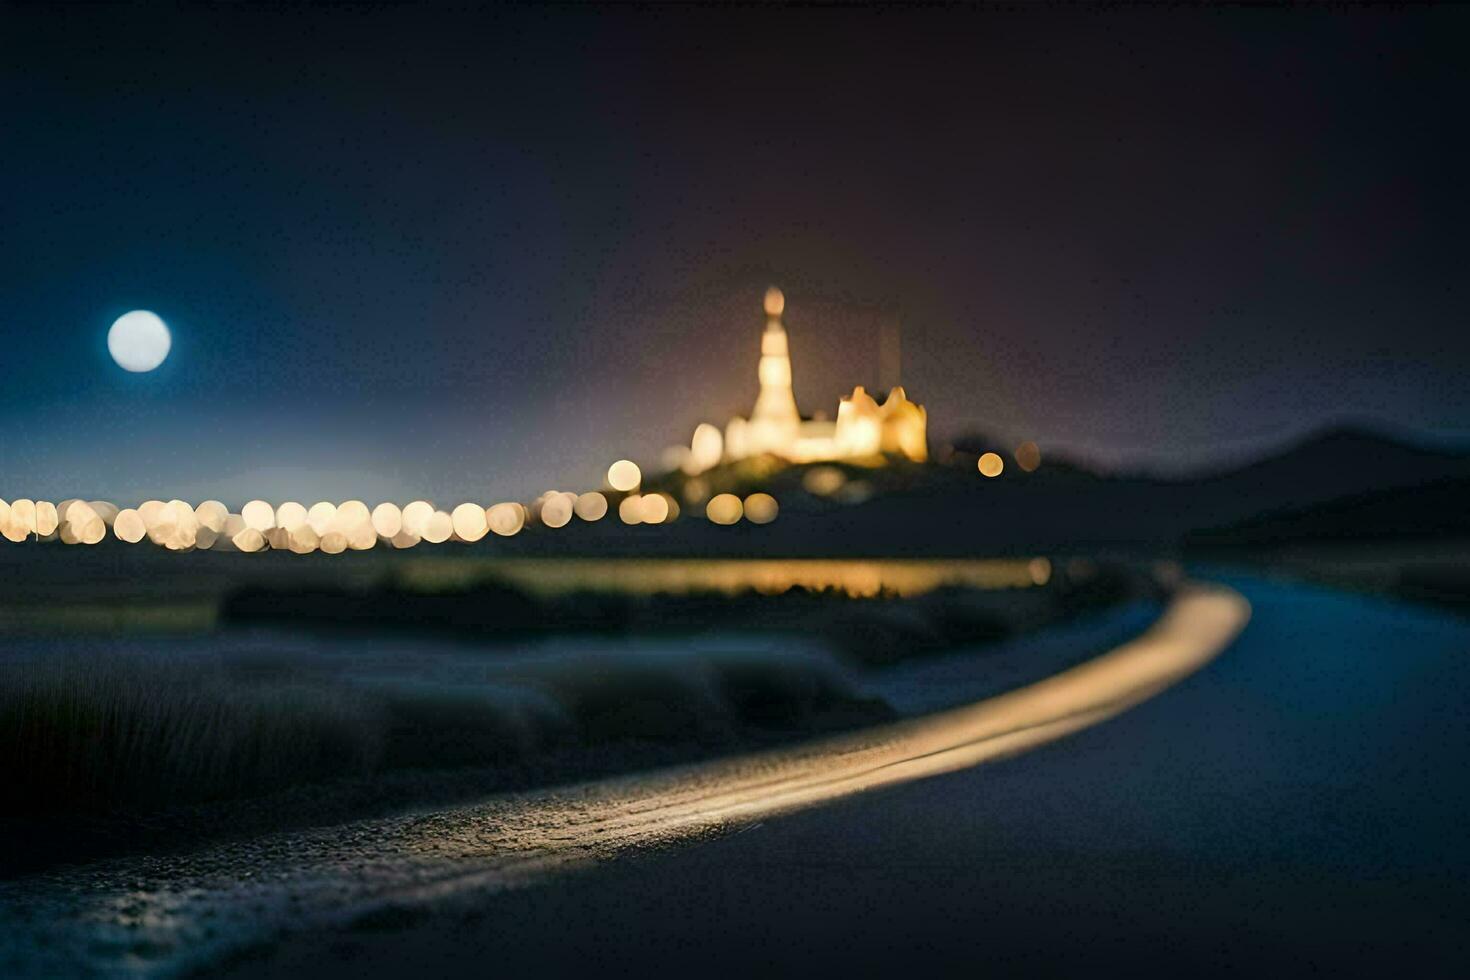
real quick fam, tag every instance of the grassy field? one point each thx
(138, 732)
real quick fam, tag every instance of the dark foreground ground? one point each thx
(1295, 809)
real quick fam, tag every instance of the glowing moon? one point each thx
(138, 341)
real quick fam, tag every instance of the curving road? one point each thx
(1296, 809)
(165, 915)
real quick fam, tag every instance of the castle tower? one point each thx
(775, 423)
(905, 426)
(859, 425)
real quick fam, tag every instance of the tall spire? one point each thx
(775, 422)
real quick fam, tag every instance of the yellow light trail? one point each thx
(193, 907)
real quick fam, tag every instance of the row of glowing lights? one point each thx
(351, 526)
(1028, 458)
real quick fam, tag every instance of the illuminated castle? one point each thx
(864, 429)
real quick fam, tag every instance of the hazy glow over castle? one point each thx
(864, 429)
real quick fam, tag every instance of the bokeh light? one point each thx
(362, 537)
(469, 522)
(47, 520)
(823, 481)
(991, 465)
(760, 508)
(506, 519)
(291, 515)
(438, 527)
(706, 449)
(350, 514)
(107, 510)
(624, 476)
(1040, 570)
(775, 302)
(258, 515)
(211, 514)
(591, 506)
(176, 528)
(724, 508)
(22, 520)
(301, 538)
(416, 517)
(630, 509)
(152, 512)
(556, 509)
(387, 520)
(249, 540)
(696, 491)
(1028, 456)
(321, 515)
(653, 508)
(128, 526)
(80, 523)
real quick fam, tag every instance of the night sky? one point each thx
(475, 255)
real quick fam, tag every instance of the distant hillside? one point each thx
(1437, 510)
(1341, 483)
(1334, 465)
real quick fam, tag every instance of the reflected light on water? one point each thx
(648, 576)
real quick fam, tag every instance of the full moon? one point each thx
(138, 341)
